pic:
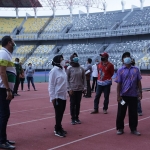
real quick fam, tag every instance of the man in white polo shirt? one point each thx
(7, 81)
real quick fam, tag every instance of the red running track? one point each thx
(32, 121)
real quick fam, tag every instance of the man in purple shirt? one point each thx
(128, 82)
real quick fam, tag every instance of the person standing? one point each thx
(88, 72)
(128, 81)
(58, 92)
(29, 73)
(18, 71)
(94, 75)
(76, 86)
(7, 82)
(104, 82)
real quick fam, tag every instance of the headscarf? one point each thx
(56, 61)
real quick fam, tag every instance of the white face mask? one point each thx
(63, 63)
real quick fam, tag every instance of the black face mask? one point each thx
(103, 59)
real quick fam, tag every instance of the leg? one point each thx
(106, 96)
(93, 84)
(121, 115)
(96, 83)
(88, 94)
(28, 80)
(4, 115)
(72, 106)
(78, 101)
(139, 107)
(133, 117)
(32, 83)
(99, 91)
(17, 84)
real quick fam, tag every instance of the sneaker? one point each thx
(77, 121)
(105, 111)
(140, 114)
(35, 90)
(120, 131)
(94, 111)
(135, 132)
(60, 134)
(28, 89)
(65, 132)
(6, 146)
(73, 122)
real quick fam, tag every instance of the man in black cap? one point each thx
(104, 82)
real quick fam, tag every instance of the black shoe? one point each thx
(135, 132)
(120, 131)
(11, 142)
(94, 111)
(35, 90)
(87, 96)
(60, 134)
(15, 94)
(73, 122)
(77, 121)
(65, 132)
(6, 146)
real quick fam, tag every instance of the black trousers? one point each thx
(22, 82)
(4, 115)
(132, 104)
(59, 107)
(30, 79)
(16, 86)
(94, 84)
(88, 88)
(99, 90)
(75, 101)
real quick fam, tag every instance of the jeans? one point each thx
(30, 79)
(22, 83)
(99, 90)
(4, 115)
(94, 84)
(75, 100)
(59, 107)
(131, 103)
(139, 107)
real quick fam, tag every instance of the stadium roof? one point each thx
(20, 3)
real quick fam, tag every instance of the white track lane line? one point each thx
(90, 136)
(54, 116)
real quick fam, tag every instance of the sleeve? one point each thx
(26, 71)
(118, 77)
(51, 85)
(68, 79)
(139, 77)
(3, 61)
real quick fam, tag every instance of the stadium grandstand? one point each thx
(40, 38)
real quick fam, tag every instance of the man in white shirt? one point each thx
(94, 75)
(7, 81)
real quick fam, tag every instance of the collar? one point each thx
(57, 67)
(3, 48)
(128, 68)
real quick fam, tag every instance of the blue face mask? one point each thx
(75, 59)
(15, 46)
(127, 60)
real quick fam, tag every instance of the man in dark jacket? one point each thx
(18, 72)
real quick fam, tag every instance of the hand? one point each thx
(9, 95)
(119, 98)
(54, 101)
(70, 92)
(140, 96)
(84, 91)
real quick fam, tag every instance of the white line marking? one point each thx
(54, 116)
(87, 137)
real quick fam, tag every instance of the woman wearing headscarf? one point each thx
(58, 92)
(76, 86)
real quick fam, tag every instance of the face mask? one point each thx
(127, 60)
(62, 63)
(103, 59)
(97, 63)
(16, 62)
(75, 59)
(14, 47)
(67, 64)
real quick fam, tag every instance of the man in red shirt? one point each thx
(104, 82)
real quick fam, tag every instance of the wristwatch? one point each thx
(8, 90)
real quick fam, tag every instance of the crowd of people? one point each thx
(75, 80)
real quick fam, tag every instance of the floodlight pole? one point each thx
(54, 11)
(105, 7)
(123, 5)
(71, 9)
(16, 12)
(142, 2)
(35, 12)
(87, 8)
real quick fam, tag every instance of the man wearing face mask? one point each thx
(128, 81)
(18, 71)
(29, 73)
(94, 75)
(7, 81)
(104, 82)
(76, 85)
(58, 92)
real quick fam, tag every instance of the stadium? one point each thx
(40, 38)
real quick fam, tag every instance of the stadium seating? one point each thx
(7, 25)
(33, 25)
(26, 49)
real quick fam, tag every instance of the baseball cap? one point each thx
(104, 55)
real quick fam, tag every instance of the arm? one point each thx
(5, 81)
(68, 83)
(84, 80)
(118, 92)
(112, 70)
